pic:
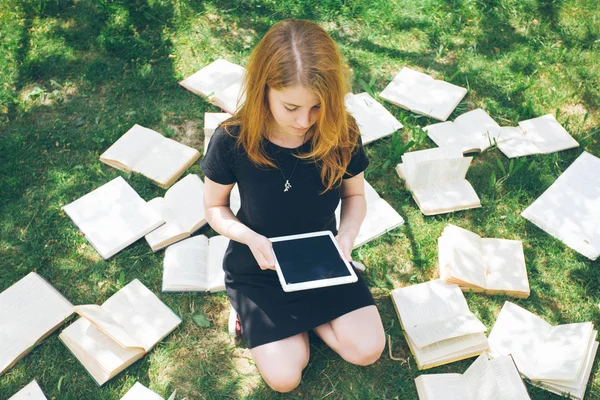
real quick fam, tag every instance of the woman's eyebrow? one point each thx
(294, 105)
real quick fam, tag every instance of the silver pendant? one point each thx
(287, 186)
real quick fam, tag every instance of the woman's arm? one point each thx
(221, 219)
(354, 209)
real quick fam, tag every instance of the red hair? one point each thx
(297, 52)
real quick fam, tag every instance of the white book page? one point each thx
(186, 265)
(381, 218)
(513, 142)
(147, 319)
(521, 334)
(406, 88)
(445, 197)
(97, 351)
(449, 350)
(29, 309)
(564, 352)
(140, 392)
(472, 130)
(217, 246)
(374, 120)
(441, 387)
(434, 331)
(411, 159)
(97, 316)
(171, 228)
(466, 258)
(113, 216)
(508, 379)
(166, 161)
(504, 263)
(570, 209)
(547, 134)
(440, 171)
(211, 123)
(186, 199)
(30, 392)
(230, 98)
(439, 99)
(481, 381)
(132, 146)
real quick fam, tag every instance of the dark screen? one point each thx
(309, 259)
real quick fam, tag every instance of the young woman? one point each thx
(294, 152)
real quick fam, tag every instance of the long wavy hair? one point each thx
(298, 52)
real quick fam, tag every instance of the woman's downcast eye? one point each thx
(291, 109)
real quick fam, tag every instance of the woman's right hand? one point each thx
(262, 250)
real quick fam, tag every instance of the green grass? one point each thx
(75, 75)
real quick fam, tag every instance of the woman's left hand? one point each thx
(346, 243)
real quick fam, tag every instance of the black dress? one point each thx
(267, 313)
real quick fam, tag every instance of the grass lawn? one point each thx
(76, 74)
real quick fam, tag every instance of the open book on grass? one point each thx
(437, 323)
(211, 123)
(30, 310)
(569, 210)
(149, 153)
(494, 266)
(113, 216)
(558, 358)
(422, 94)
(141, 392)
(195, 264)
(30, 392)
(496, 379)
(111, 337)
(374, 121)
(437, 180)
(220, 82)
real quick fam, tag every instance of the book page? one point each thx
(411, 159)
(113, 216)
(481, 381)
(217, 245)
(30, 392)
(473, 130)
(211, 123)
(374, 120)
(508, 379)
(570, 209)
(440, 171)
(103, 321)
(466, 259)
(521, 334)
(514, 143)
(381, 218)
(29, 310)
(504, 263)
(162, 236)
(438, 99)
(131, 147)
(147, 319)
(446, 197)
(166, 161)
(434, 303)
(186, 199)
(99, 353)
(185, 265)
(441, 387)
(140, 392)
(547, 134)
(450, 350)
(405, 87)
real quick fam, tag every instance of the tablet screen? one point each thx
(309, 259)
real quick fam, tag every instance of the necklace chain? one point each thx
(287, 185)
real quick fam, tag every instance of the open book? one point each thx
(30, 310)
(494, 266)
(141, 392)
(113, 216)
(436, 179)
(558, 358)
(496, 379)
(220, 82)
(541, 135)
(30, 392)
(211, 123)
(437, 323)
(569, 210)
(421, 94)
(149, 153)
(381, 217)
(111, 337)
(195, 264)
(374, 121)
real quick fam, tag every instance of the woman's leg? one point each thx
(281, 363)
(358, 336)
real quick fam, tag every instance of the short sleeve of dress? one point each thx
(359, 161)
(217, 164)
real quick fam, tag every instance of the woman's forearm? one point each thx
(222, 220)
(353, 211)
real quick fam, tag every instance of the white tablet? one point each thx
(309, 261)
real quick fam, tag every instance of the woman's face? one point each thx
(294, 109)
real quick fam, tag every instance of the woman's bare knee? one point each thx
(282, 380)
(365, 351)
